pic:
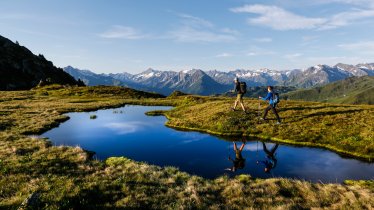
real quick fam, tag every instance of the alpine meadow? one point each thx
(186, 104)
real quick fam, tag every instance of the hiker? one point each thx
(270, 161)
(240, 89)
(270, 97)
(239, 161)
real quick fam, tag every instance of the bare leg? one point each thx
(235, 104)
(241, 104)
(242, 147)
(235, 147)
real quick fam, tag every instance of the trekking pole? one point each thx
(259, 107)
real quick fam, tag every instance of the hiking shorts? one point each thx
(239, 97)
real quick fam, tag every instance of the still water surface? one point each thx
(128, 132)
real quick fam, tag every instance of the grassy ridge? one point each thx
(348, 129)
(65, 177)
(353, 90)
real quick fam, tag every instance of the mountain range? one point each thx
(20, 69)
(196, 81)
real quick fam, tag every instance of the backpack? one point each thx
(243, 87)
(276, 99)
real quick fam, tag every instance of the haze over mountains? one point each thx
(21, 69)
(196, 81)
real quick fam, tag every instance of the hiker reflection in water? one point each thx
(239, 161)
(270, 162)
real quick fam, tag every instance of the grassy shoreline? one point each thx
(345, 129)
(359, 156)
(65, 177)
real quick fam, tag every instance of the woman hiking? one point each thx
(270, 97)
(270, 161)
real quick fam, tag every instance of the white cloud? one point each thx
(265, 39)
(347, 18)
(125, 128)
(365, 46)
(362, 3)
(293, 56)
(257, 51)
(188, 34)
(122, 32)
(309, 38)
(230, 31)
(278, 18)
(195, 21)
(194, 29)
(332, 60)
(224, 55)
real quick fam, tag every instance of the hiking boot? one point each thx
(263, 119)
(278, 123)
(245, 112)
(232, 109)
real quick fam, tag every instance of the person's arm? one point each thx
(268, 96)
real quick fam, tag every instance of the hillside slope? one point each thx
(353, 90)
(20, 69)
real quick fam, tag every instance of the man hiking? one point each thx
(270, 97)
(239, 161)
(240, 89)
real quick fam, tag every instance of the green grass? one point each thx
(67, 178)
(353, 90)
(347, 129)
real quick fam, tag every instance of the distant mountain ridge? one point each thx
(352, 90)
(196, 81)
(20, 69)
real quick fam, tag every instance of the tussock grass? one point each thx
(67, 178)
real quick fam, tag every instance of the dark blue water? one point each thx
(127, 131)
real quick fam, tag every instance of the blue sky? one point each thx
(131, 36)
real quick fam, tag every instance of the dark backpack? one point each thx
(243, 87)
(276, 98)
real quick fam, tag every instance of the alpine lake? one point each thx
(128, 132)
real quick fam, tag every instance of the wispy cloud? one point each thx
(125, 128)
(195, 21)
(292, 56)
(332, 60)
(195, 29)
(122, 32)
(347, 18)
(265, 39)
(361, 3)
(224, 55)
(188, 34)
(258, 51)
(278, 18)
(364, 46)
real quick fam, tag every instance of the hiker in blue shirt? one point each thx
(270, 97)
(270, 162)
